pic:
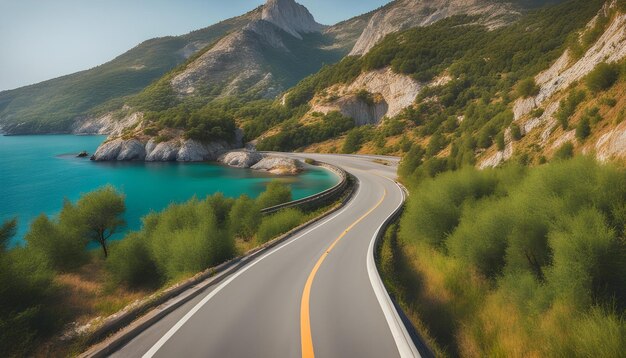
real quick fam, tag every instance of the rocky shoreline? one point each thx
(180, 150)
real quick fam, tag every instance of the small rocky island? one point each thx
(270, 163)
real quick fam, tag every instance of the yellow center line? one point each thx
(305, 319)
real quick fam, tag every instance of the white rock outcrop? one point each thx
(278, 165)
(107, 124)
(399, 91)
(393, 92)
(174, 150)
(610, 47)
(612, 144)
(241, 159)
(262, 162)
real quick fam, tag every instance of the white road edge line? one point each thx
(404, 342)
(155, 348)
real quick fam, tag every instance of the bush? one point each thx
(602, 77)
(513, 257)
(527, 88)
(583, 130)
(568, 107)
(26, 291)
(353, 141)
(516, 132)
(245, 217)
(279, 223)
(566, 151)
(276, 193)
(131, 264)
(61, 244)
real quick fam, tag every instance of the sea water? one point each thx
(38, 172)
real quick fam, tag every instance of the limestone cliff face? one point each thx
(405, 14)
(390, 92)
(610, 47)
(178, 149)
(108, 124)
(555, 83)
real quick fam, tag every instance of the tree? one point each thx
(527, 88)
(101, 215)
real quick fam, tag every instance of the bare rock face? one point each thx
(291, 17)
(174, 150)
(406, 14)
(394, 92)
(238, 63)
(610, 47)
(106, 124)
(262, 162)
(279, 165)
(612, 144)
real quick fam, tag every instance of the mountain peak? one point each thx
(291, 17)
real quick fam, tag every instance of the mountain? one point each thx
(52, 106)
(406, 14)
(460, 92)
(260, 53)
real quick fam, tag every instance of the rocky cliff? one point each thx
(150, 150)
(536, 115)
(290, 17)
(388, 93)
(405, 14)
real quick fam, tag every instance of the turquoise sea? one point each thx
(38, 172)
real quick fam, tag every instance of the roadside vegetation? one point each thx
(515, 261)
(69, 271)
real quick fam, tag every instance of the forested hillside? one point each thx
(54, 105)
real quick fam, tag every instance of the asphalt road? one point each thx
(317, 293)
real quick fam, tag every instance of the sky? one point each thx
(44, 39)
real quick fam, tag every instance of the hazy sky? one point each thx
(43, 39)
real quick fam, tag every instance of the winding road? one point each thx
(316, 294)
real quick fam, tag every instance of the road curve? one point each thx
(317, 294)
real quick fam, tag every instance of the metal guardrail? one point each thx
(317, 200)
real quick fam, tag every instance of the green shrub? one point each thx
(583, 130)
(608, 101)
(279, 223)
(245, 217)
(500, 142)
(566, 151)
(26, 291)
(568, 107)
(527, 88)
(61, 244)
(602, 77)
(131, 264)
(353, 141)
(538, 112)
(534, 256)
(186, 239)
(276, 193)
(516, 132)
